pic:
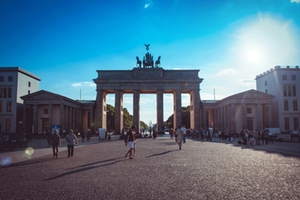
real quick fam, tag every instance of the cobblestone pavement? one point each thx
(201, 170)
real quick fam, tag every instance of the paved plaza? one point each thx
(201, 170)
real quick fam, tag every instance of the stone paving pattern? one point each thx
(201, 170)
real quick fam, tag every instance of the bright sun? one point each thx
(265, 41)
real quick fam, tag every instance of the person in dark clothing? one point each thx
(130, 141)
(55, 140)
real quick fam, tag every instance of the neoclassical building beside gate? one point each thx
(250, 109)
(148, 81)
(43, 109)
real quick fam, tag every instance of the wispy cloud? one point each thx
(148, 4)
(85, 84)
(295, 1)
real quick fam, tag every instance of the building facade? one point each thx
(14, 83)
(45, 111)
(284, 84)
(245, 110)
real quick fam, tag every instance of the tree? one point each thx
(185, 118)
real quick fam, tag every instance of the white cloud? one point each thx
(295, 1)
(76, 84)
(86, 83)
(148, 4)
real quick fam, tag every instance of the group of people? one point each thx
(251, 138)
(71, 139)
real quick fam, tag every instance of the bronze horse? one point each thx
(157, 62)
(138, 62)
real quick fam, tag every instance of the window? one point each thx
(45, 111)
(286, 106)
(295, 105)
(249, 110)
(8, 106)
(1, 80)
(10, 79)
(284, 91)
(4, 92)
(296, 123)
(289, 91)
(9, 92)
(28, 92)
(284, 77)
(294, 91)
(29, 84)
(1, 92)
(8, 124)
(266, 91)
(293, 77)
(286, 123)
(249, 124)
(0, 108)
(266, 83)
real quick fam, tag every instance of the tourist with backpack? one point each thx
(55, 140)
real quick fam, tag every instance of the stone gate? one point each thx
(153, 80)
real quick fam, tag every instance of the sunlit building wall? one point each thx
(284, 84)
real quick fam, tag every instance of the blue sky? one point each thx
(229, 41)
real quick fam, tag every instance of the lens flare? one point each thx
(29, 151)
(6, 161)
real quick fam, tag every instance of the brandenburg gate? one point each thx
(147, 78)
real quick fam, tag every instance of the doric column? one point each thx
(222, 118)
(50, 114)
(244, 115)
(195, 109)
(118, 111)
(259, 117)
(80, 119)
(67, 118)
(72, 118)
(35, 118)
(136, 109)
(160, 110)
(177, 108)
(233, 120)
(100, 115)
(62, 116)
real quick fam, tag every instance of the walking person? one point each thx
(179, 133)
(55, 140)
(184, 133)
(130, 141)
(71, 140)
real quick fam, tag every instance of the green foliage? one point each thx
(185, 118)
(127, 118)
(143, 125)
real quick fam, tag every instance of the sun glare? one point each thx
(265, 41)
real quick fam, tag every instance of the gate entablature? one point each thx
(148, 79)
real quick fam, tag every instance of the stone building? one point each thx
(150, 81)
(14, 83)
(246, 110)
(45, 111)
(284, 84)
